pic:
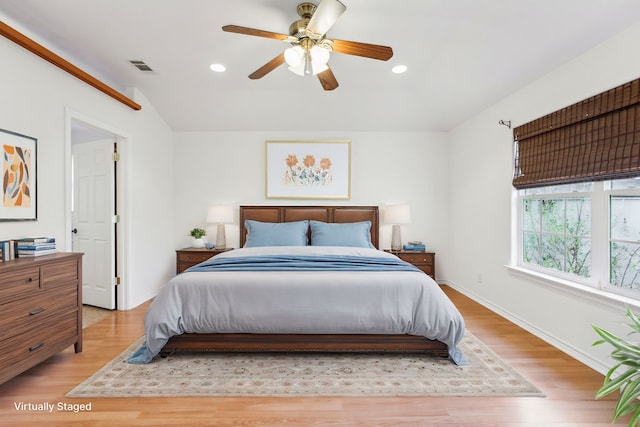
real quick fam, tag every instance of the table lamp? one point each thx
(220, 215)
(397, 215)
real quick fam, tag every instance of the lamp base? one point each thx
(396, 239)
(220, 238)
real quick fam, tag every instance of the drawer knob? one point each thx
(36, 311)
(29, 279)
(37, 346)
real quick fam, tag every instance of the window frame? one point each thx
(598, 281)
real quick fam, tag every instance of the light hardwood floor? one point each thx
(569, 387)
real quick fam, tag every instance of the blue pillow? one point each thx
(276, 233)
(356, 234)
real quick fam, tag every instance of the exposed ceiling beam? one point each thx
(36, 48)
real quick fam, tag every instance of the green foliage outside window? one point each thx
(556, 234)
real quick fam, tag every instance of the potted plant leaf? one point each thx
(197, 234)
(626, 354)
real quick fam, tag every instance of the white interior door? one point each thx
(93, 227)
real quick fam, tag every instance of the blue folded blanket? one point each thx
(303, 263)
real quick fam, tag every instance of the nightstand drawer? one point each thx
(188, 257)
(417, 259)
(425, 261)
(194, 258)
(427, 269)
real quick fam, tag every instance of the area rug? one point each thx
(306, 374)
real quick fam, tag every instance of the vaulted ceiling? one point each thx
(462, 56)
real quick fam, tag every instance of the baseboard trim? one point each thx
(540, 333)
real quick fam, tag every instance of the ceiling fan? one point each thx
(310, 49)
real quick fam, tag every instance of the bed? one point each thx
(292, 287)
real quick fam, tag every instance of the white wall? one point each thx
(480, 201)
(228, 168)
(35, 98)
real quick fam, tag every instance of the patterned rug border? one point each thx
(106, 381)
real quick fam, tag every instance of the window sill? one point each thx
(598, 296)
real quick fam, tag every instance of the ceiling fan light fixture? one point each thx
(294, 56)
(319, 55)
(298, 69)
(303, 61)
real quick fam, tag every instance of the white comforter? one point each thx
(328, 302)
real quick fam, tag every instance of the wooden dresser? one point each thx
(188, 257)
(40, 310)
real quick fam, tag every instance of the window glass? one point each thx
(624, 254)
(557, 189)
(625, 183)
(556, 234)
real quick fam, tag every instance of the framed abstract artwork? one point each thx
(308, 169)
(19, 177)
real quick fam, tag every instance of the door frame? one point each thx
(122, 190)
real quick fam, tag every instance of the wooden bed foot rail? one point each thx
(325, 343)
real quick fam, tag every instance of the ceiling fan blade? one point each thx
(328, 79)
(326, 14)
(253, 32)
(268, 67)
(373, 51)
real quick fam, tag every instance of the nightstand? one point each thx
(188, 257)
(425, 261)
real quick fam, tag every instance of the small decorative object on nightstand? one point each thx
(188, 257)
(425, 261)
(197, 234)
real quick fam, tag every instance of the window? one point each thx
(577, 173)
(585, 232)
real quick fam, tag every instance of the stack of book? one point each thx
(411, 246)
(8, 249)
(36, 246)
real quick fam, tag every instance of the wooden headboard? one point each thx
(317, 213)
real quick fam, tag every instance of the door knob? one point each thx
(74, 231)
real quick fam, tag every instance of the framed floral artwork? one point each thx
(19, 177)
(308, 169)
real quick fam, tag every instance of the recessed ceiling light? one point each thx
(399, 69)
(218, 68)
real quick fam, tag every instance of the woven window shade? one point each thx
(595, 139)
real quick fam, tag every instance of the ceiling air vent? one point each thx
(140, 65)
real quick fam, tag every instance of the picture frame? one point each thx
(19, 177)
(308, 169)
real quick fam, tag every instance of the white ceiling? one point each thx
(463, 56)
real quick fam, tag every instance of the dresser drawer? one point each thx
(45, 339)
(19, 282)
(19, 317)
(59, 273)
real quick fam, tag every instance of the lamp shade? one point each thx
(220, 214)
(397, 214)
(306, 61)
